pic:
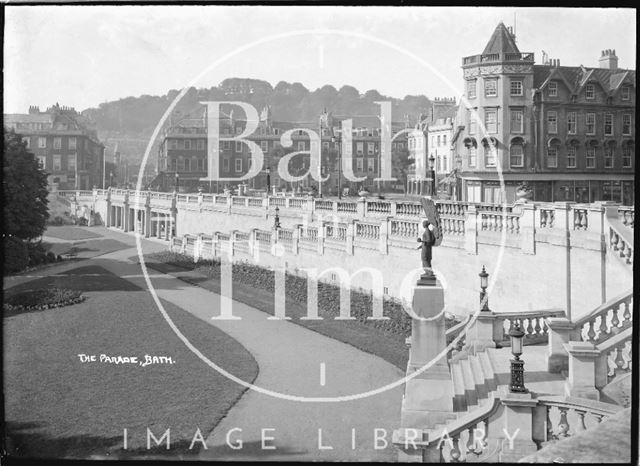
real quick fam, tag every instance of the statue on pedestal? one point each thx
(431, 237)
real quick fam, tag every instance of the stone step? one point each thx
(459, 399)
(469, 385)
(487, 370)
(478, 377)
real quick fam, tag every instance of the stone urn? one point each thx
(363, 193)
(227, 192)
(523, 194)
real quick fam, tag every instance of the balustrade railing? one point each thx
(547, 216)
(407, 209)
(532, 323)
(323, 205)
(621, 246)
(285, 236)
(309, 235)
(378, 207)
(255, 202)
(616, 357)
(367, 230)
(336, 232)
(580, 218)
(277, 201)
(238, 201)
(567, 416)
(297, 203)
(405, 228)
(220, 199)
(606, 320)
(347, 207)
(497, 222)
(263, 236)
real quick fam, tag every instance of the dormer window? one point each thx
(626, 93)
(552, 90)
(590, 91)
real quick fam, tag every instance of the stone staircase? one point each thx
(559, 403)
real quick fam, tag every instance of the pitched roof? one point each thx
(502, 41)
(578, 76)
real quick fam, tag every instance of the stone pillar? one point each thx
(428, 397)
(385, 227)
(517, 417)
(361, 207)
(351, 234)
(482, 334)
(560, 330)
(562, 224)
(471, 230)
(582, 360)
(527, 228)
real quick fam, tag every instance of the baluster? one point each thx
(584, 220)
(455, 451)
(581, 424)
(470, 441)
(538, 328)
(591, 334)
(603, 327)
(628, 253)
(529, 328)
(543, 218)
(563, 425)
(552, 218)
(550, 435)
(484, 222)
(626, 314)
(614, 319)
(619, 360)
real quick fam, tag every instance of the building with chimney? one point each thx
(65, 144)
(566, 131)
(183, 152)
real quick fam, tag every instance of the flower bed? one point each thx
(399, 322)
(41, 299)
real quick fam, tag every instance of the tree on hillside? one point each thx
(24, 189)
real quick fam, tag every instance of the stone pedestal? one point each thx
(428, 398)
(482, 334)
(581, 380)
(560, 330)
(517, 426)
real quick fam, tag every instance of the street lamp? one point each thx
(268, 170)
(177, 182)
(484, 298)
(110, 179)
(276, 219)
(432, 174)
(517, 365)
(338, 139)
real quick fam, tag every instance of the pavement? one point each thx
(294, 362)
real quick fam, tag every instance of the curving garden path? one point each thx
(290, 360)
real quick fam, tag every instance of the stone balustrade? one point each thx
(626, 215)
(605, 320)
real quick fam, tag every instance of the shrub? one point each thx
(58, 221)
(16, 255)
(37, 254)
(51, 257)
(43, 298)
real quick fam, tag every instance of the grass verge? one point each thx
(254, 285)
(59, 407)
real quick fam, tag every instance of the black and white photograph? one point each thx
(319, 233)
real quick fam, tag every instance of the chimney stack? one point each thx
(608, 59)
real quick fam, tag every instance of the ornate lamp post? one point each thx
(276, 219)
(484, 282)
(517, 365)
(432, 174)
(268, 170)
(110, 179)
(177, 182)
(337, 138)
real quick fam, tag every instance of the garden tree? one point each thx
(400, 165)
(25, 190)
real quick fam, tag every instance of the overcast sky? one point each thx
(84, 55)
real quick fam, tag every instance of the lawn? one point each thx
(385, 339)
(57, 406)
